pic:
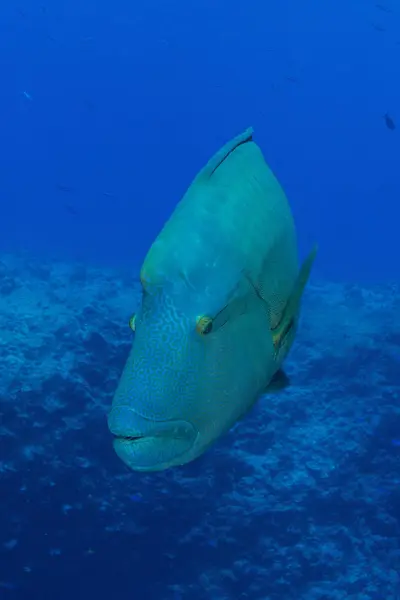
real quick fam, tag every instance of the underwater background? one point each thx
(108, 110)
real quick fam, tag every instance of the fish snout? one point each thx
(147, 445)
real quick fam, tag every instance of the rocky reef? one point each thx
(301, 500)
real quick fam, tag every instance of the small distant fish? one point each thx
(136, 497)
(65, 188)
(27, 96)
(378, 27)
(90, 106)
(383, 8)
(6, 585)
(390, 124)
(70, 208)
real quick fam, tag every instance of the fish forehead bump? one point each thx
(173, 256)
(234, 209)
(191, 289)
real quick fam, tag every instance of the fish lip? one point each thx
(129, 438)
(141, 428)
(121, 442)
(139, 443)
(144, 428)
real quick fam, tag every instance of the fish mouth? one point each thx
(145, 445)
(129, 438)
(153, 452)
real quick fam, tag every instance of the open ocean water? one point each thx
(108, 110)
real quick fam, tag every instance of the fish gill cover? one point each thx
(108, 111)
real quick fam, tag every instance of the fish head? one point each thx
(163, 411)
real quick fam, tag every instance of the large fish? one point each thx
(221, 292)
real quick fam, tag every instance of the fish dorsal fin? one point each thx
(292, 308)
(222, 154)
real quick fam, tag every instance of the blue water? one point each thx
(108, 110)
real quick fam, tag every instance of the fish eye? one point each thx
(132, 322)
(204, 325)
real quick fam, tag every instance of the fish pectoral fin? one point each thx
(292, 308)
(302, 279)
(279, 382)
(232, 310)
